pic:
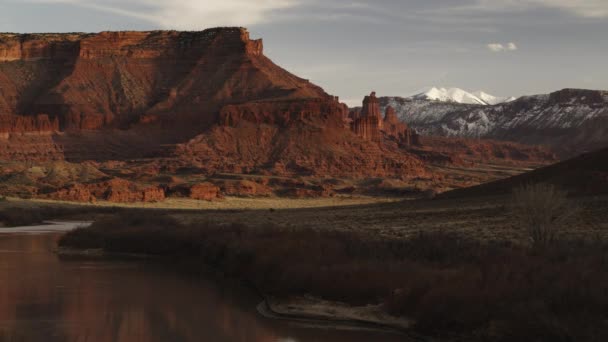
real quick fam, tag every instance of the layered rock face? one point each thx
(205, 191)
(169, 85)
(208, 99)
(117, 79)
(282, 113)
(114, 190)
(23, 124)
(143, 104)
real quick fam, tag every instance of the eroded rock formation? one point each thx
(369, 124)
(205, 191)
(399, 131)
(114, 190)
(142, 104)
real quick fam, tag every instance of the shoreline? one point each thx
(337, 316)
(273, 308)
(351, 261)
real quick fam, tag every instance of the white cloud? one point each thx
(498, 47)
(495, 47)
(187, 14)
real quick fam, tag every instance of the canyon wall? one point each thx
(117, 79)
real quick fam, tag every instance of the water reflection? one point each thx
(45, 299)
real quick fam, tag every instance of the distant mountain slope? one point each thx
(571, 121)
(457, 95)
(491, 99)
(583, 175)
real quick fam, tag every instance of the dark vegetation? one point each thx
(586, 174)
(21, 216)
(543, 210)
(453, 287)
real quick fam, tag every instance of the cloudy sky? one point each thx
(396, 47)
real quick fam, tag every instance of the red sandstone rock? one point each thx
(371, 106)
(205, 191)
(282, 113)
(369, 122)
(311, 192)
(244, 188)
(395, 129)
(28, 124)
(115, 190)
(92, 81)
(75, 193)
(164, 102)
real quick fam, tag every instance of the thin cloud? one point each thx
(582, 8)
(187, 14)
(498, 47)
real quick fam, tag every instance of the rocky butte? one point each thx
(209, 101)
(140, 104)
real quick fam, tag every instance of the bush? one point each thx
(449, 285)
(542, 210)
(15, 217)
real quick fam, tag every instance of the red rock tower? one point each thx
(369, 123)
(371, 106)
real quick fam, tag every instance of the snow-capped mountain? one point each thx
(491, 99)
(571, 121)
(457, 95)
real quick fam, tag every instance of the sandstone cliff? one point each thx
(117, 79)
(140, 104)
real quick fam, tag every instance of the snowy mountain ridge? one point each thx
(457, 95)
(571, 121)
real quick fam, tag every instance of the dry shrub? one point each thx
(449, 284)
(542, 210)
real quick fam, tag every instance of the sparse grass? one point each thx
(238, 203)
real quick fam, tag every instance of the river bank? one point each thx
(442, 284)
(51, 299)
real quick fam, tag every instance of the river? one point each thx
(45, 298)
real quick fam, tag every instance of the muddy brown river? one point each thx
(45, 298)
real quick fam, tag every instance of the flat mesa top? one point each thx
(79, 35)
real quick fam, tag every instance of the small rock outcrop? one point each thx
(115, 190)
(245, 188)
(205, 192)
